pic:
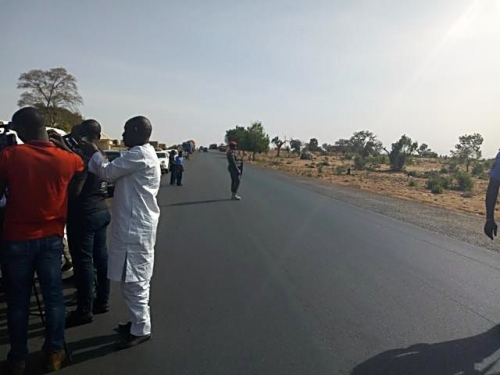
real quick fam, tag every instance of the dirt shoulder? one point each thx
(451, 214)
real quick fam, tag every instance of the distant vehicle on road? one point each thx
(205, 149)
(164, 163)
(213, 146)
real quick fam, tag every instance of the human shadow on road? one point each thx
(92, 348)
(477, 355)
(196, 202)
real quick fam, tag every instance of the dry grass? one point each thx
(382, 180)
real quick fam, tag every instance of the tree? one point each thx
(279, 144)
(253, 138)
(401, 151)
(238, 135)
(313, 145)
(65, 118)
(51, 90)
(468, 149)
(296, 145)
(365, 143)
(425, 152)
(257, 139)
(343, 146)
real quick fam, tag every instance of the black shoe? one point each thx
(76, 318)
(124, 328)
(132, 341)
(100, 308)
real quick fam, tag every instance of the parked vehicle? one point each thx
(164, 163)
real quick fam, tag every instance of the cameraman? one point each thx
(88, 220)
(37, 175)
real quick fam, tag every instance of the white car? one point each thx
(164, 163)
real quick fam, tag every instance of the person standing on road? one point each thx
(37, 175)
(179, 168)
(88, 220)
(491, 227)
(137, 177)
(171, 164)
(234, 170)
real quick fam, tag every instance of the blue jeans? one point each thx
(87, 244)
(19, 262)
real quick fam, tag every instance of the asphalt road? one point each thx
(288, 281)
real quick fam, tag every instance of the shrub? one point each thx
(438, 181)
(340, 170)
(347, 156)
(478, 169)
(443, 170)
(464, 181)
(412, 183)
(359, 162)
(437, 189)
(453, 167)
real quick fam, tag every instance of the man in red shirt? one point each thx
(36, 177)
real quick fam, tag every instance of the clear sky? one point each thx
(305, 68)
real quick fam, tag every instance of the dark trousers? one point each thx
(178, 175)
(87, 244)
(20, 260)
(172, 175)
(235, 181)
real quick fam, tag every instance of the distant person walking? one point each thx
(179, 168)
(491, 227)
(234, 170)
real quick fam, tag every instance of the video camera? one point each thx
(71, 142)
(6, 139)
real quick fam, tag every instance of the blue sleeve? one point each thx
(495, 170)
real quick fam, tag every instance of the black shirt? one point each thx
(93, 195)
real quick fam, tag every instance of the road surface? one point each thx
(288, 281)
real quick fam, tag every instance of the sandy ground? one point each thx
(382, 181)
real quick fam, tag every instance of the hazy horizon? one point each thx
(306, 69)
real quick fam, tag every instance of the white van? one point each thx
(164, 163)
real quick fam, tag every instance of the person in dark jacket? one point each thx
(171, 166)
(234, 170)
(88, 219)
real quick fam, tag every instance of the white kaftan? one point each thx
(137, 176)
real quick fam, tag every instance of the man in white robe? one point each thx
(135, 218)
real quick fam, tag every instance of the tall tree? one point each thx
(313, 145)
(279, 144)
(65, 118)
(258, 140)
(239, 135)
(296, 145)
(343, 146)
(468, 149)
(51, 90)
(401, 151)
(365, 143)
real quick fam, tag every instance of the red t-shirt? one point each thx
(37, 176)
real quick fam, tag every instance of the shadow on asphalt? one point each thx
(476, 355)
(92, 348)
(196, 202)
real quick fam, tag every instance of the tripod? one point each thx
(42, 318)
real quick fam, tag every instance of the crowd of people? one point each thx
(49, 183)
